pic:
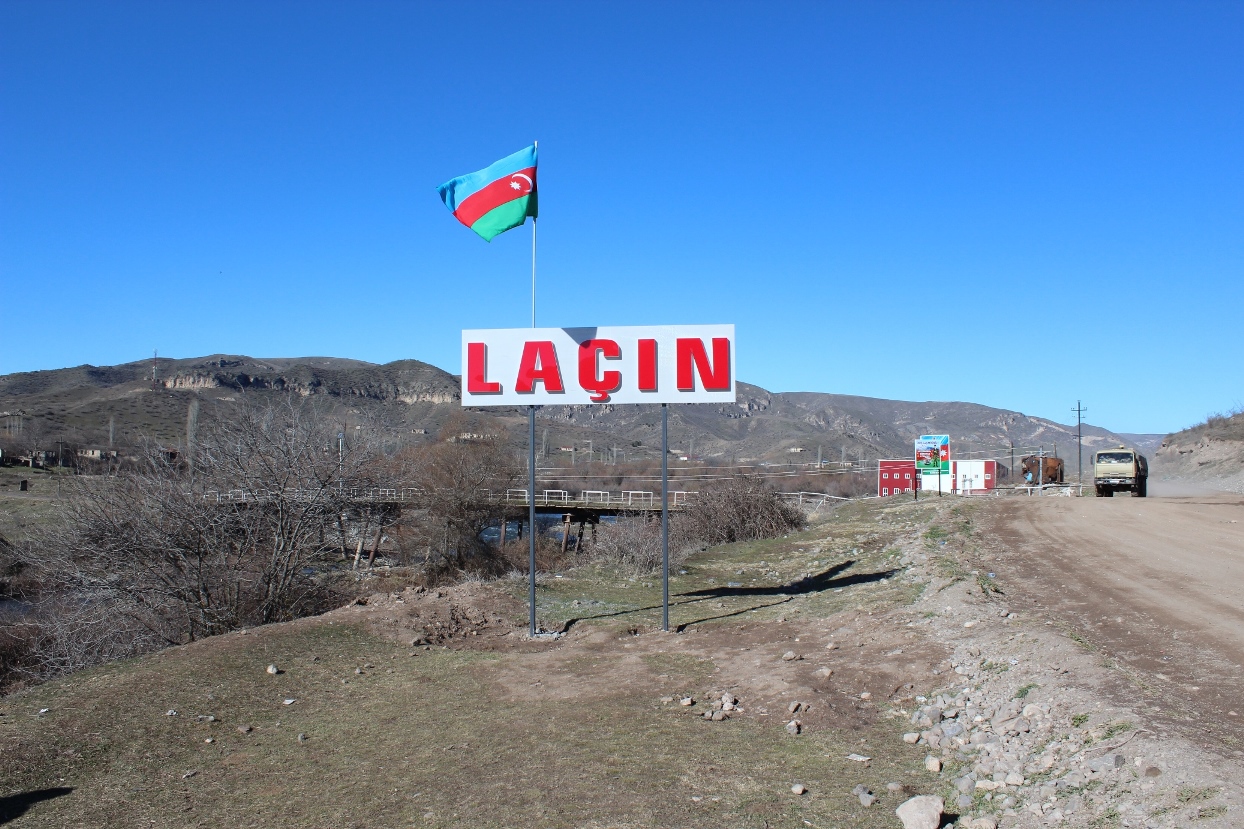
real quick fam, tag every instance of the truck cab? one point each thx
(1120, 470)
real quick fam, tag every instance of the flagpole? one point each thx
(531, 459)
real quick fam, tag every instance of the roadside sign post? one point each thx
(598, 365)
(665, 516)
(932, 452)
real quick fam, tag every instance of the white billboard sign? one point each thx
(578, 366)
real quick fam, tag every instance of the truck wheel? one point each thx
(1142, 488)
(1107, 493)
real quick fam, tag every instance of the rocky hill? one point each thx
(89, 405)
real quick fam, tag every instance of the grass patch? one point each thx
(991, 667)
(1025, 690)
(987, 584)
(1115, 729)
(1188, 794)
(1075, 636)
(1078, 720)
(1207, 812)
(1106, 820)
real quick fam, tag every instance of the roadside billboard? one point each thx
(581, 366)
(933, 454)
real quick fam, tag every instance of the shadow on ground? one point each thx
(820, 582)
(16, 805)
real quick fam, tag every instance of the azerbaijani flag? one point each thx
(496, 198)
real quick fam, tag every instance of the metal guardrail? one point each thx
(626, 499)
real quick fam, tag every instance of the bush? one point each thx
(634, 544)
(740, 509)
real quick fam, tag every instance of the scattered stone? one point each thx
(867, 695)
(171, 713)
(1014, 779)
(933, 764)
(799, 788)
(824, 673)
(983, 823)
(794, 727)
(794, 707)
(288, 701)
(832, 646)
(358, 671)
(893, 788)
(188, 775)
(790, 656)
(686, 701)
(209, 740)
(729, 699)
(274, 670)
(859, 758)
(867, 799)
(911, 738)
(666, 700)
(245, 729)
(302, 738)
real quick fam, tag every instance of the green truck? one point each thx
(1120, 470)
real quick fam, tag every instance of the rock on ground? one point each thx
(923, 812)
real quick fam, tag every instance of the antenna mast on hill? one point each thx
(155, 355)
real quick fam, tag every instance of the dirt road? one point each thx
(1155, 584)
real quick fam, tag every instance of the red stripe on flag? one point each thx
(505, 189)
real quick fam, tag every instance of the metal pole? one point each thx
(665, 517)
(531, 516)
(531, 460)
(534, 144)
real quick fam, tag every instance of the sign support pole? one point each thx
(531, 514)
(665, 517)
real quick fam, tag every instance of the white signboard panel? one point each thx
(577, 366)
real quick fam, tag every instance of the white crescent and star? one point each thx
(518, 185)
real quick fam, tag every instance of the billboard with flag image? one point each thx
(933, 454)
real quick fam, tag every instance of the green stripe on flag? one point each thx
(505, 216)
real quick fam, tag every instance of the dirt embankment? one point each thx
(1211, 453)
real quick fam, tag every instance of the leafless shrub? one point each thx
(633, 544)
(739, 509)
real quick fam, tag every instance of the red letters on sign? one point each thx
(715, 377)
(477, 370)
(609, 381)
(539, 363)
(647, 365)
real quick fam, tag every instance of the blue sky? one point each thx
(1016, 204)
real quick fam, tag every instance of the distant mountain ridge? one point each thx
(409, 397)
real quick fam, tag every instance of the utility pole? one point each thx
(818, 456)
(1079, 410)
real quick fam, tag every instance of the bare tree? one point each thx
(168, 559)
